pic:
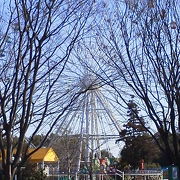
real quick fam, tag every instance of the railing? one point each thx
(120, 173)
(59, 176)
(157, 174)
(123, 175)
(143, 172)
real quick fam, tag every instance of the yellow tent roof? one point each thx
(43, 154)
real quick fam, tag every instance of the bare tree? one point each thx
(136, 49)
(36, 39)
(67, 147)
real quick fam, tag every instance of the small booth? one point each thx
(171, 172)
(43, 157)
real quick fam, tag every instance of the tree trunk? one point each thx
(9, 173)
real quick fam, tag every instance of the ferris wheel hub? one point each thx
(90, 82)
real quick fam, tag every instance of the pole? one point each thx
(43, 165)
(122, 175)
(58, 169)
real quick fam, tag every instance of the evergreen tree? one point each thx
(138, 143)
(135, 123)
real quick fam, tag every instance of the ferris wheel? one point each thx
(91, 118)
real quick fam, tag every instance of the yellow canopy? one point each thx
(43, 154)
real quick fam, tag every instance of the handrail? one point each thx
(120, 173)
(155, 173)
(144, 172)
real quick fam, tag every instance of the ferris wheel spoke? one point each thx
(90, 119)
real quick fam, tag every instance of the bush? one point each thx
(30, 172)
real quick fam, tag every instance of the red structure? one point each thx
(141, 166)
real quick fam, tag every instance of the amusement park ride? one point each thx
(91, 120)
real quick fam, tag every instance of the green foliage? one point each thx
(138, 143)
(37, 140)
(152, 166)
(135, 125)
(32, 173)
(106, 153)
(138, 148)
